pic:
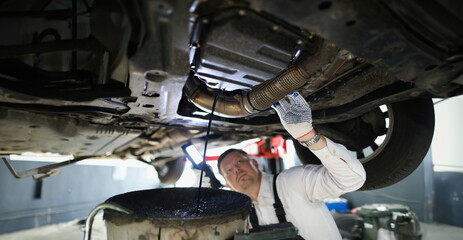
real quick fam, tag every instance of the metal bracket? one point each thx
(40, 172)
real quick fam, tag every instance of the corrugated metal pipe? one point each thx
(262, 96)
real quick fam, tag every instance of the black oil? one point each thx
(198, 199)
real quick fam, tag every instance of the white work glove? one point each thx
(295, 115)
(206, 180)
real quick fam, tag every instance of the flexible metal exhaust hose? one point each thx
(269, 92)
(258, 99)
(293, 77)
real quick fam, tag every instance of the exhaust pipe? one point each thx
(262, 96)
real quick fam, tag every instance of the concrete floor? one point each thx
(74, 231)
(69, 231)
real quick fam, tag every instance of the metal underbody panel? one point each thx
(33, 132)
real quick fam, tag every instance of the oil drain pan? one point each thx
(170, 213)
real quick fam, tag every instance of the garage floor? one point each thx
(69, 231)
(73, 231)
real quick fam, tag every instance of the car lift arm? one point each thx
(40, 172)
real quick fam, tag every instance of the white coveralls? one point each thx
(302, 190)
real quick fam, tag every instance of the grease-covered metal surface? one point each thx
(177, 207)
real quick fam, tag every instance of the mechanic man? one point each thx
(302, 189)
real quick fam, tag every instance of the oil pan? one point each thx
(172, 213)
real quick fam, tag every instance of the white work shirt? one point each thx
(302, 190)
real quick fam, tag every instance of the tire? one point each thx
(171, 171)
(406, 142)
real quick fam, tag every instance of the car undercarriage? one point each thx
(138, 79)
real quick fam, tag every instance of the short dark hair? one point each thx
(224, 154)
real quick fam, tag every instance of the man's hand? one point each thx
(206, 181)
(295, 115)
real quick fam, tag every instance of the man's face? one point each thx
(240, 172)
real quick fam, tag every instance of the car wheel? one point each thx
(171, 171)
(394, 153)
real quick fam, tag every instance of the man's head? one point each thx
(241, 172)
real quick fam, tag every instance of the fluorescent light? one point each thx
(192, 153)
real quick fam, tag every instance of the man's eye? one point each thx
(228, 171)
(239, 161)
